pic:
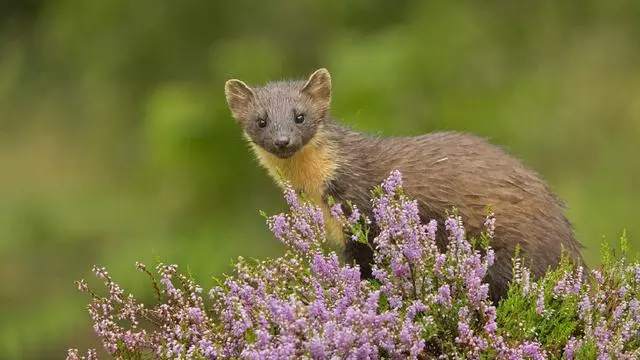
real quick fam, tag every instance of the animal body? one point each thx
(290, 130)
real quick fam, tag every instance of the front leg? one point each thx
(360, 254)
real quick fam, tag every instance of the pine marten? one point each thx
(289, 127)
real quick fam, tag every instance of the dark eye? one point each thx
(299, 119)
(262, 123)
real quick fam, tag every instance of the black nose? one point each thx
(282, 141)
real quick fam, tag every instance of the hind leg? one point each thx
(360, 254)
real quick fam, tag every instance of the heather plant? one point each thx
(576, 313)
(421, 302)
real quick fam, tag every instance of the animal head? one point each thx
(281, 117)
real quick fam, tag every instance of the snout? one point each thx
(282, 142)
(284, 147)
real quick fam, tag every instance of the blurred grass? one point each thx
(116, 144)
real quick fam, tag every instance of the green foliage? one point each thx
(115, 140)
(563, 316)
(284, 305)
(518, 315)
(588, 351)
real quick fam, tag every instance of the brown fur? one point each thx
(308, 170)
(441, 171)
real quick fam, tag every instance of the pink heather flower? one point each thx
(317, 348)
(489, 258)
(526, 282)
(393, 182)
(584, 307)
(101, 272)
(72, 354)
(440, 260)
(570, 348)
(140, 266)
(517, 268)
(355, 215)
(533, 351)
(432, 228)
(454, 226)
(195, 314)
(336, 211)
(561, 286)
(444, 295)
(540, 302)
(306, 304)
(598, 276)
(82, 285)
(491, 326)
(490, 225)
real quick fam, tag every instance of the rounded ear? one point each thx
(239, 98)
(318, 88)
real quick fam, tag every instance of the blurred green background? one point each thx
(116, 144)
